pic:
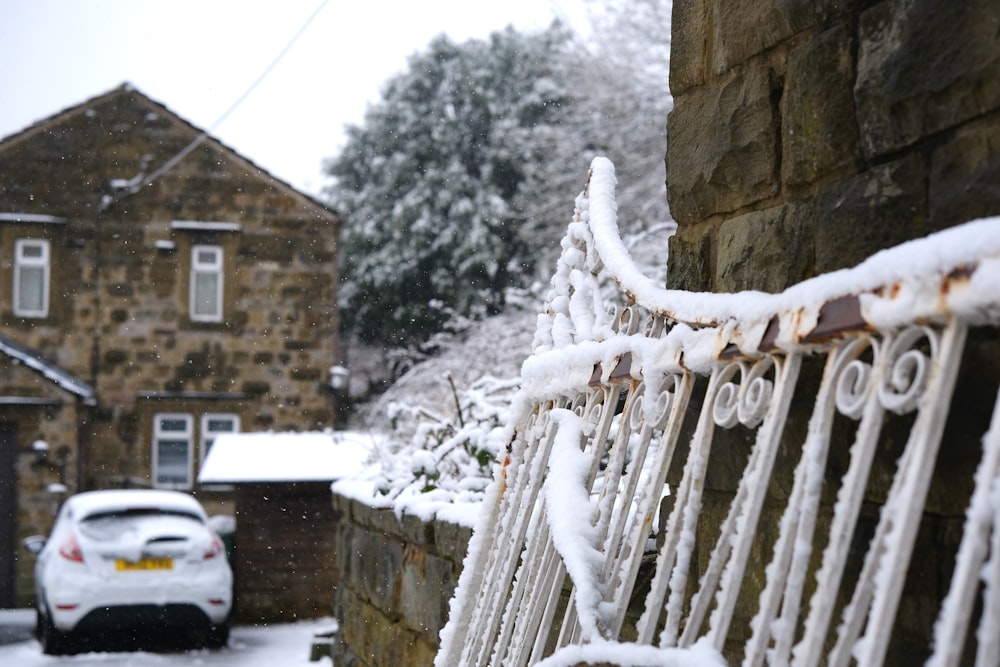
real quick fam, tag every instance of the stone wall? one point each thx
(808, 134)
(396, 577)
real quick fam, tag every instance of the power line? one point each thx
(137, 184)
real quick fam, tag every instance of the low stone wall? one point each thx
(396, 577)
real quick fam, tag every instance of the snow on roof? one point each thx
(50, 371)
(205, 226)
(286, 457)
(31, 217)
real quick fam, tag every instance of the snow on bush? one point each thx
(442, 423)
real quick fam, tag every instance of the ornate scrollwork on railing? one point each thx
(655, 402)
(853, 375)
(628, 320)
(906, 378)
(747, 402)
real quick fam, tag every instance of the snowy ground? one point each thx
(265, 646)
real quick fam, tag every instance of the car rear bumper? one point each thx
(128, 618)
(73, 596)
(70, 605)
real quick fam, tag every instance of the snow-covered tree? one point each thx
(442, 415)
(432, 184)
(619, 78)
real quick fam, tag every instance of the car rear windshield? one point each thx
(141, 512)
(111, 524)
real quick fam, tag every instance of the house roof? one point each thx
(286, 457)
(48, 370)
(128, 89)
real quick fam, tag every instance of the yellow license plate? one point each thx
(144, 564)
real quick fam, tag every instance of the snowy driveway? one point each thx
(265, 646)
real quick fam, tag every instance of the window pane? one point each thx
(206, 283)
(172, 462)
(174, 424)
(31, 289)
(207, 257)
(220, 425)
(206, 290)
(32, 250)
(31, 278)
(214, 424)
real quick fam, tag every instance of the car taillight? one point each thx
(215, 549)
(70, 549)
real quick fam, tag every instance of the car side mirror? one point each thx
(34, 543)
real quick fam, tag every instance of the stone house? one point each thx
(156, 289)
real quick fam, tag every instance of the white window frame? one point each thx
(24, 263)
(208, 436)
(201, 270)
(160, 435)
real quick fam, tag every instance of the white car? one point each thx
(128, 561)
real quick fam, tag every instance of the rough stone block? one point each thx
(377, 562)
(451, 540)
(309, 374)
(379, 519)
(690, 256)
(819, 131)
(744, 28)
(414, 530)
(722, 154)
(924, 66)
(965, 175)
(425, 584)
(874, 210)
(829, 12)
(766, 250)
(689, 25)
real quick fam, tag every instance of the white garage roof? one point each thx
(285, 457)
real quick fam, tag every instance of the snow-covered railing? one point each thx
(616, 404)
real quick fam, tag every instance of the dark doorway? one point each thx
(8, 511)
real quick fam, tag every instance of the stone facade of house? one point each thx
(139, 319)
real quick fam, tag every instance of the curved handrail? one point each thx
(957, 264)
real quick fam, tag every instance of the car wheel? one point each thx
(53, 640)
(218, 636)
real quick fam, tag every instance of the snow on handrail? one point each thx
(625, 408)
(969, 254)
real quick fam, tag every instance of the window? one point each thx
(174, 442)
(206, 283)
(31, 278)
(172, 447)
(212, 424)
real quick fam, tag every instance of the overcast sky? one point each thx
(198, 57)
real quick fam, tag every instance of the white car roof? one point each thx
(89, 502)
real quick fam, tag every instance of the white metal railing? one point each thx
(617, 401)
